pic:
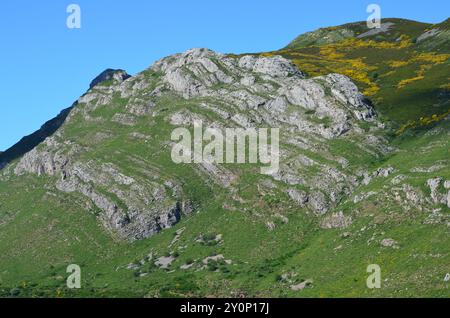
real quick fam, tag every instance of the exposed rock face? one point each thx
(384, 27)
(51, 159)
(259, 91)
(110, 74)
(383, 172)
(196, 73)
(447, 187)
(427, 35)
(336, 221)
(41, 163)
(299, 197)
(412, 195)
(437, 195)
(30, 142)
(146, 208)
(275, 66)
(318, 203)
(164, 261)
(247, 91)
(379, 173)
(302, 285)
(388, 242)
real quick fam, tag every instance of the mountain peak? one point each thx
(108, 75)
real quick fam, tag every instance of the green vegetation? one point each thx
(402, 77)
(260, 244)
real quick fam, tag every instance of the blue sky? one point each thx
(46, 66)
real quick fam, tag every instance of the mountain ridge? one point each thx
(360, 28)
(109, 74)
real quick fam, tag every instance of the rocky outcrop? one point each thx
(51, 158)
(224, 92)
(197, 72)
(133, 208)
(384, 27)
(447, 187)
(28, 143)
(438, 196)
(336, 221)
(117, 76)
(276, 66)
(41, 163)
(427, 34)
(299, 197)
(388, 242)
(270, 91)
(379, 173)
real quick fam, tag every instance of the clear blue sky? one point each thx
(45, 66)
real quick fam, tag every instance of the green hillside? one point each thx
(58, 233)
(353, 189)
(404, 68)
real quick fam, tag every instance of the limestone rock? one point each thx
(275, 66)
(388, 242)
(436, 196)
(302, 285)
(110, 74)
(318, 203)
(164, 261)
(299, 197)
(336, 221)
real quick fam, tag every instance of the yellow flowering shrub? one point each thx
(355, 68)
(372, 90)
(432, 58)
(407, 81)
(445, 86)
(396, 64)
(423, 121)
(330, 52)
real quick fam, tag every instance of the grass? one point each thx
(382, 67)
(42, 231)
(59, 233)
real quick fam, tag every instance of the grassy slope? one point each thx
(59, 232)
(406, 80)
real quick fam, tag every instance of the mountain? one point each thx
(403, 66)
(101, 188)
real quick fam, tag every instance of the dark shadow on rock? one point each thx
(27, 143)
